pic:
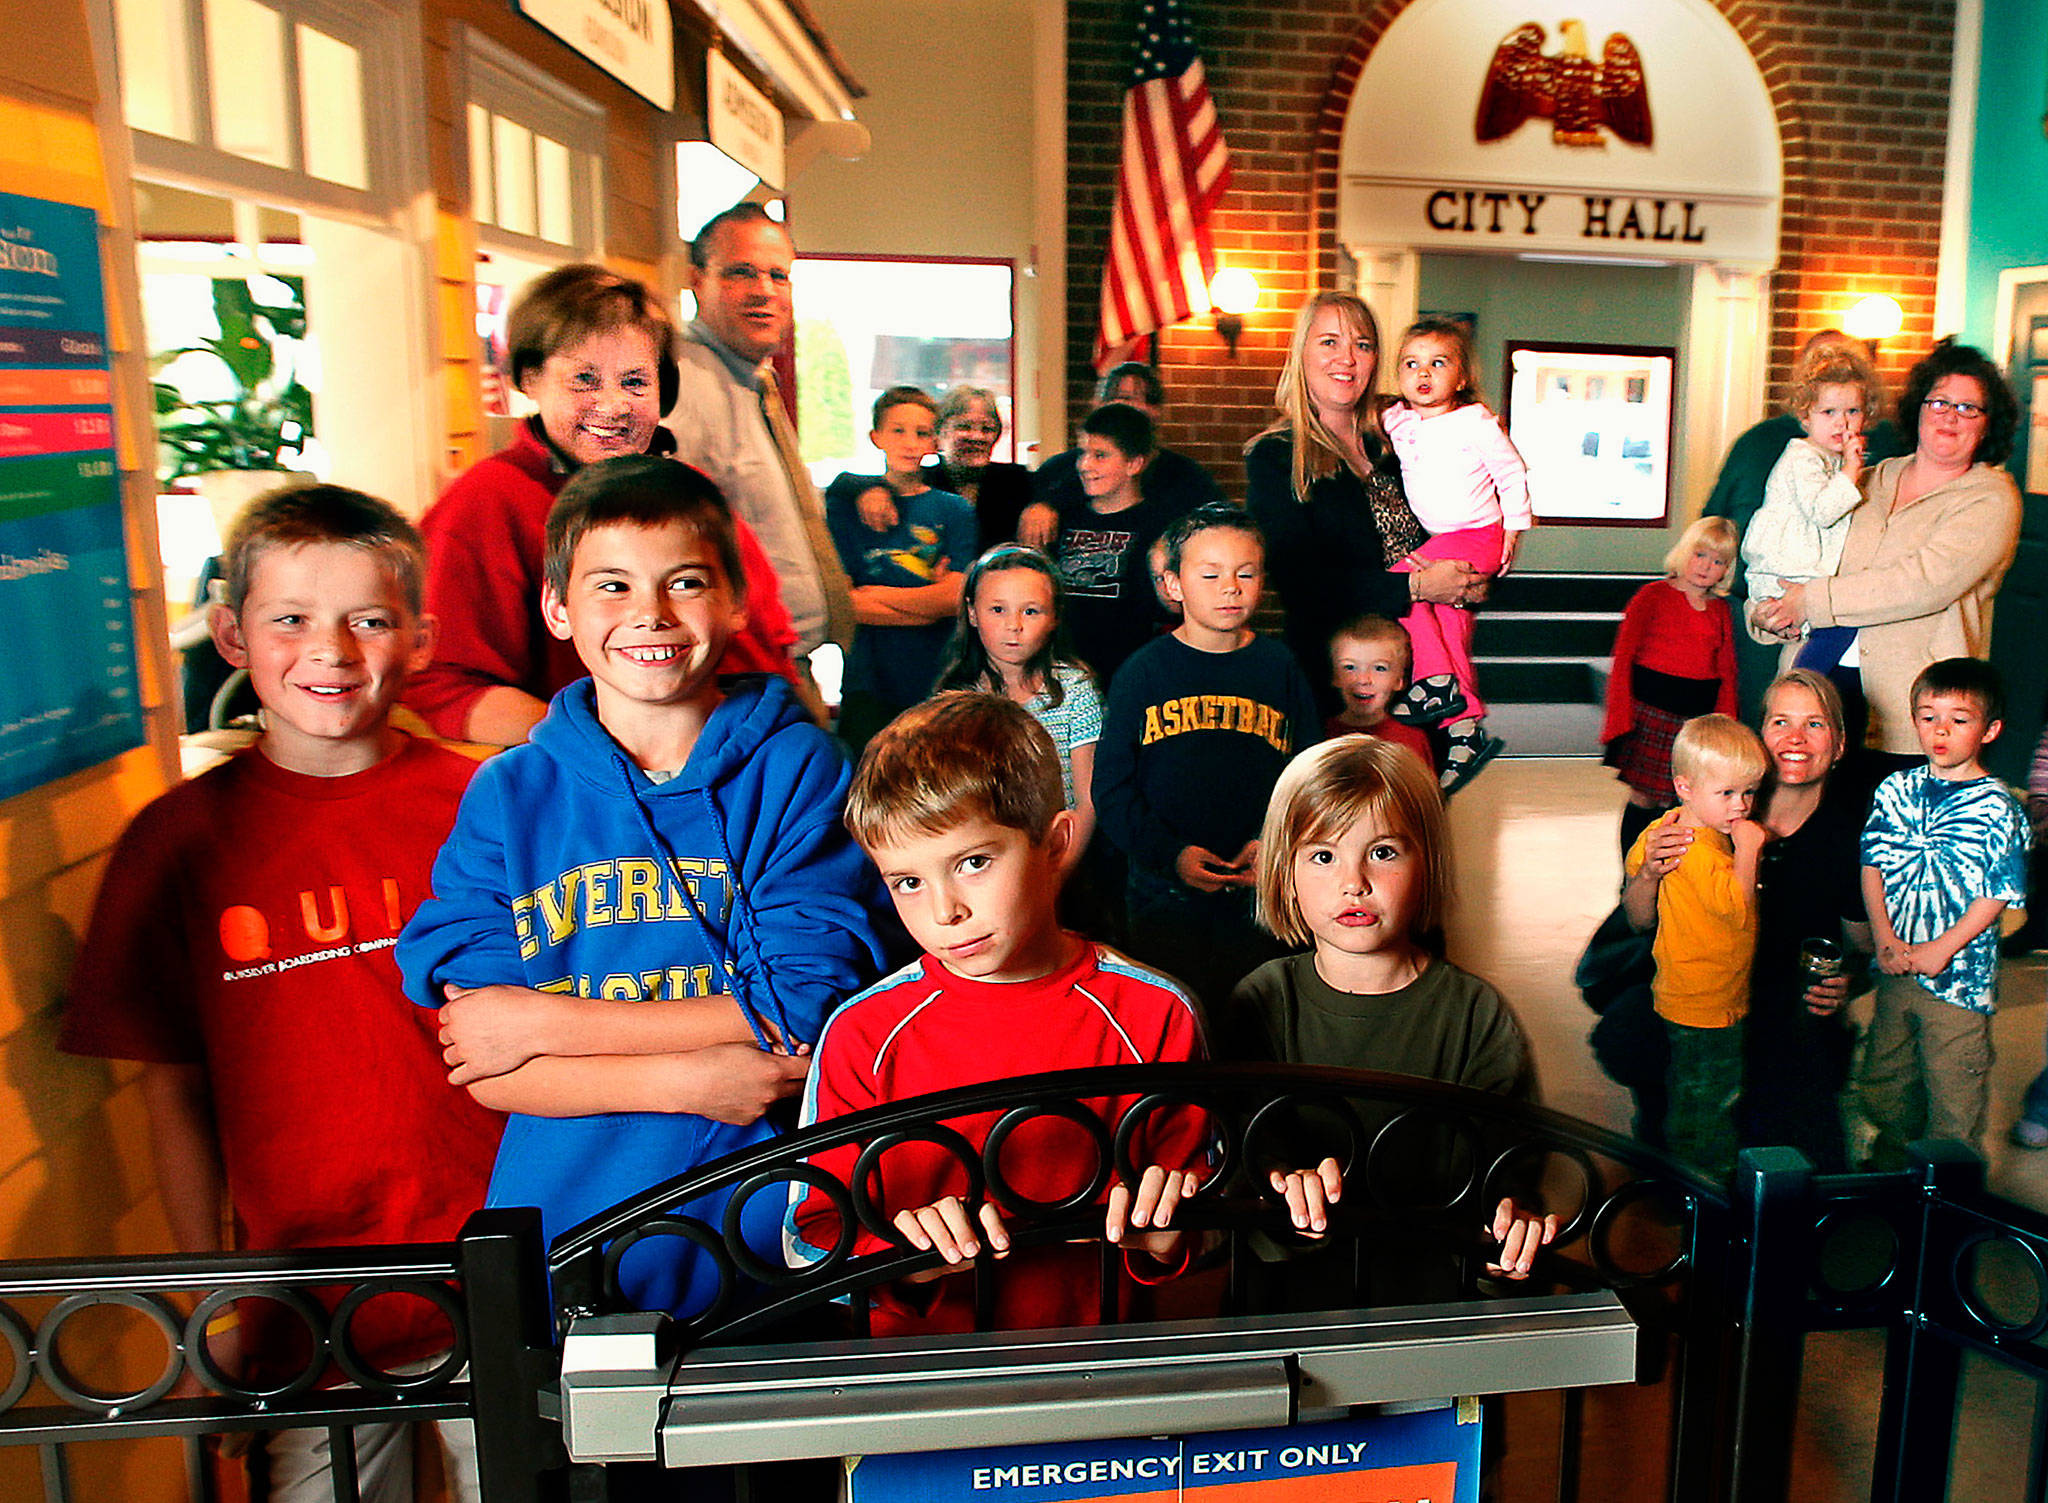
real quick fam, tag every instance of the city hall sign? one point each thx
(1638, 130)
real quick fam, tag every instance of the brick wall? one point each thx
(1861, 92)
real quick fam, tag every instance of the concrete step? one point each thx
(1566, 592)
(1542, 730)
(1543, 679)
(1548, 639)
(1544, 633)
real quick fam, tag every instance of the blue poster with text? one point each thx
(69, 698)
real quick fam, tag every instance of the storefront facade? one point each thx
(422, 154)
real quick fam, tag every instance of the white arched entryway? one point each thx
(1704, 194)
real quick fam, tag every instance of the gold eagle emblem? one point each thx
(1575, 94)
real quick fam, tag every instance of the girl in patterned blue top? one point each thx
(1012, 640)
(1944, 852)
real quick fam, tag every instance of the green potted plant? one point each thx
(268, 416)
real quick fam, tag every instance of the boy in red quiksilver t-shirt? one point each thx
(959, 803)
(241, 948)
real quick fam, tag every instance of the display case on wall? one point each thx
(1593, 422)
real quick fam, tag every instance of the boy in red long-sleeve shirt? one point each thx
(959, 803)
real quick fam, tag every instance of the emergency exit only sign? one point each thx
(1430, 1456)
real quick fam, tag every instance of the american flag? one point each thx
(1174, 168)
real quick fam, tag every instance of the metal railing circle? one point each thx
(690, 1229)
(1012, 1200)
(50, 1366)
(775, 1275)
(221, 1382)
(365, 1374)
(869, 1164)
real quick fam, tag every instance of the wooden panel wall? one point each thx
(74, 1172)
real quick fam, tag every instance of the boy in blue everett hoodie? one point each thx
(643, 915)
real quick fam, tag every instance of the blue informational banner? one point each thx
(1429, 1456)
(68, 695)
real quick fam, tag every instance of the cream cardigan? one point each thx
(1918, 584)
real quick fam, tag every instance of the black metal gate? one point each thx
(1719, 1292)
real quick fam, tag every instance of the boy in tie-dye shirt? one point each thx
(1944, 852)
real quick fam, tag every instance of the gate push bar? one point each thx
(623, 1398)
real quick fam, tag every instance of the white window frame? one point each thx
(511, 89)
(390, 145)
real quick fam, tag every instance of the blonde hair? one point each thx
(1368, 629)
(1822, 688)
(1324, 792)
(1834, 365)
(1717, 533)
(1317, 453)
(958, 756)
(1711, 744)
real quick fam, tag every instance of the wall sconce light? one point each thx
(1233, 294)
(1874, 320)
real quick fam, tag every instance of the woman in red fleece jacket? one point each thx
(595, 351)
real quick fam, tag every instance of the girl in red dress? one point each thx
(1674, 658)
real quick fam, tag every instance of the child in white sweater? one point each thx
(1797, 534)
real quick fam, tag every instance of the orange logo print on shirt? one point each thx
(324, 921)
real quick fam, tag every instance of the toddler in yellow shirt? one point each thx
(1706, 934)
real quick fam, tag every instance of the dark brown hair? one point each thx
(1964, 678)
(2001, 412)
(1225, 516)
(639, 490)
(570, 304)
(967, 660)
(1458, 335)
(1130, 370)
(903, 396)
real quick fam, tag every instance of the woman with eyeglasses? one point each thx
(1930, 544)
(595, 351)
(970, 427)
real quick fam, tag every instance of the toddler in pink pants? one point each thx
(1469, 489)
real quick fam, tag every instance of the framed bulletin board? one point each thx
(1594, 423)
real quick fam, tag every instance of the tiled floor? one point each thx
(1537, 868)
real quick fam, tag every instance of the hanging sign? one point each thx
(741, 121)
(1449, 214)
(69, 698)
(629, 39)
